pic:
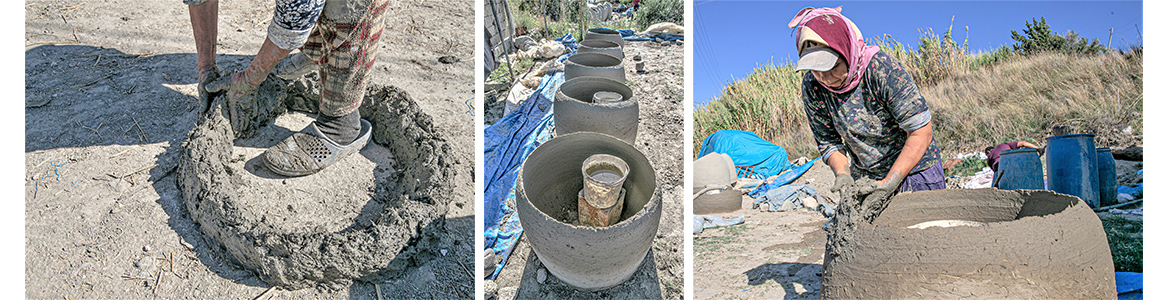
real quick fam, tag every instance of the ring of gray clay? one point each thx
(1036, 244)
(379, 243)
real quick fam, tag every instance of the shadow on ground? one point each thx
(786, 274)
(643, 284)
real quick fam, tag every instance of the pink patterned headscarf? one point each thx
(828, 27)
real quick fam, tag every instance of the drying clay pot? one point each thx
(595, 64)
(605, 35)
(574, 110)
(717, 201)
(601, 46)
(586, 257)
(1035, 245)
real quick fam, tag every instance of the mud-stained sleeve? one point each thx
(820, 118)
(293, 21)
(903, 100)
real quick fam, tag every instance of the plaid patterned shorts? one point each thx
(345, 53)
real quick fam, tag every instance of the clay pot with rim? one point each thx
(595, 64)
(574, 109)
(1033, 244)
(601, 46)
(589, 258)
(604, 34)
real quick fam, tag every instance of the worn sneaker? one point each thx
(294, 66)
(309, 151)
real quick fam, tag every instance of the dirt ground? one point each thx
(772, 255)
(660, 130)
(110, 98)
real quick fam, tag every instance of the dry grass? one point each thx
(1024, 98)
(768, 103)
(974, 105)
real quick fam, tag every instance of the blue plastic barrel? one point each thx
(1107, 174)
(1020, 169)
(1072, 166)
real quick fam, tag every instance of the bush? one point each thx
(1038, 37)
(554, 10)
(651, 12)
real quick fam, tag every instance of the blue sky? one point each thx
(734, 37)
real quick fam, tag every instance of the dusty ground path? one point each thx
(773, 255)
(660, 129)
(110, 89)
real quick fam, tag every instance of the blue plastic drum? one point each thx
(1072, 167)
(1019, 169)
(1107, 173)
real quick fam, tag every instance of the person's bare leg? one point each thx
(204, 19)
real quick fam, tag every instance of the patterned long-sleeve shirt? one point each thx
(870, 123)
(292, 21)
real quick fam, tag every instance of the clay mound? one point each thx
(400, 223)
(1036, 245)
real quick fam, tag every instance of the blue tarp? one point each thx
(748, 150)
(785, 178)
(629, 35)
(506, 144)
(1128, 282)
(785, 197)
(1136, 192)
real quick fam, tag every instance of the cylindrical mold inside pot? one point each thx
(606, 97)
(604, 175)
(1035, 245)
(605, 35)
(546, 198)
(594, 64)
(1106, 176)
(1020, 169)
(1072, 166)
(601, 46)
(574, 110)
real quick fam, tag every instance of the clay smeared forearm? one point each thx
(916, 143)
(263, 63)
(838, 162)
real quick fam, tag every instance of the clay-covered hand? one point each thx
(877, 196)
(842, 181)
(240, 92)
(205, 78)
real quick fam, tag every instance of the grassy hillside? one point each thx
(976, 99)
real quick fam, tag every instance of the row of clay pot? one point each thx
(597, 67)
(595, 113)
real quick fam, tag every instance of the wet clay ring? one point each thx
(1036, 244)
(406, 223)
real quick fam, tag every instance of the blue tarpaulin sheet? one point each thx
(747, 149)
(1136, 192)
(791, 194)
(785, 178)
(629, 35)
(506, 144)
(1129, 285)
